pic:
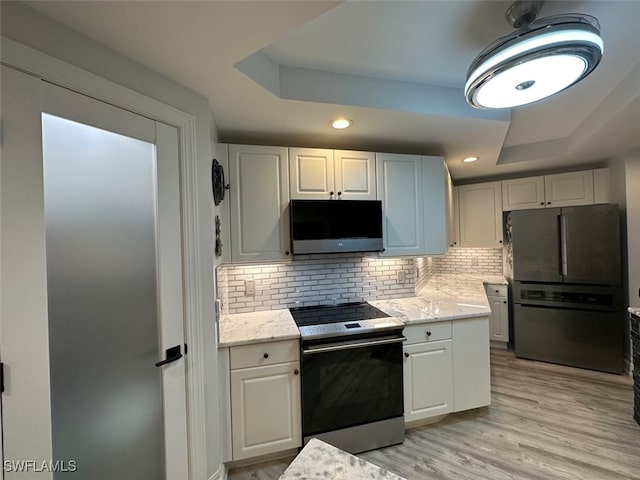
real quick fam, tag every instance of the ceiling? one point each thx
(277, 72)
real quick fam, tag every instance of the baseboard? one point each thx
(499, 345)
(424, 421)
(292, 452)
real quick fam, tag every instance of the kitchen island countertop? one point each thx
(320, 460)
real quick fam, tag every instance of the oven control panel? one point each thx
(349, 328)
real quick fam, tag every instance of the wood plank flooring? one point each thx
(546, 422)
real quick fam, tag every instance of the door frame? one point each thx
(58, 72)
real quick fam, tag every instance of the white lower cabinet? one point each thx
(499, 323)
(428, 389)
(498, 297)
(446, 367)
(265, 401)
(471, 371)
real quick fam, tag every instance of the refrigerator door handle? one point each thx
(563, 244)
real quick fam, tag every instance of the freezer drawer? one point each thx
(579, 338)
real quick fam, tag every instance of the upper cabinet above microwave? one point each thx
(321, 174)
(262, 179)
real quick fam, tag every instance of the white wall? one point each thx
(632, 177)
(624, 172)
(29, 27)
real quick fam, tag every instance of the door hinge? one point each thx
(1, 377)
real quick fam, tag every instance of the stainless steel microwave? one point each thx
(335, 226)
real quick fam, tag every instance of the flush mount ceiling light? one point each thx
(541, 58)
(470, 159)
(341, 123)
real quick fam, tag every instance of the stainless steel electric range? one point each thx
(351, 367)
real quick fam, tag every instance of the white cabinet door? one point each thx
(601, 190)
(312, 174)
(428, 389)
(480, 207)
(523, 193)
(471, 372)
(569, 189)
(265, 409)
(259, 197)
(355, 175)
(434, 207)
(499, 324)
(452, 212)
(399, 181)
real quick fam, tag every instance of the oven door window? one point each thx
(351, 387)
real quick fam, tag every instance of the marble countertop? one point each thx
(444, 297)
(256, 327)
(634, 311)
(319, 460)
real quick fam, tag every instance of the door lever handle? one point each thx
(172, 354)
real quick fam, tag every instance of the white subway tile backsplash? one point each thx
(459, 260)
(329, 279)
(313, 281)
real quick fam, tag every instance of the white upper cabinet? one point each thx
(435, 216)
(400, 189)
(452, 211)
(259, 198)
(312, 173)
(601, 191)
(569, 189)
(413, 191)
(560, 190)
(355, 175)
(480, 210)
(320, 174)
(523, 193)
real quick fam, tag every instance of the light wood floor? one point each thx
(545, 422)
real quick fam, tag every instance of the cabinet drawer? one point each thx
(268, 353)
(427, 332)
(494, 290)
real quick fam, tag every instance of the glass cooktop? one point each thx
(344, 312)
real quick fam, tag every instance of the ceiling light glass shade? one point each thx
(470, 159)
(535, 62)
(340, 123)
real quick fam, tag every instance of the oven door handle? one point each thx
(347, 346)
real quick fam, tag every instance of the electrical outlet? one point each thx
(249, 288)
(474, 261)
(401, 278)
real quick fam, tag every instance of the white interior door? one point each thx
(91, 287)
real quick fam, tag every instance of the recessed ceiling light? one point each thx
(340, 123)
(470, 159)
(541, 58)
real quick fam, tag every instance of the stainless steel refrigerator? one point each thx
(567, 286)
